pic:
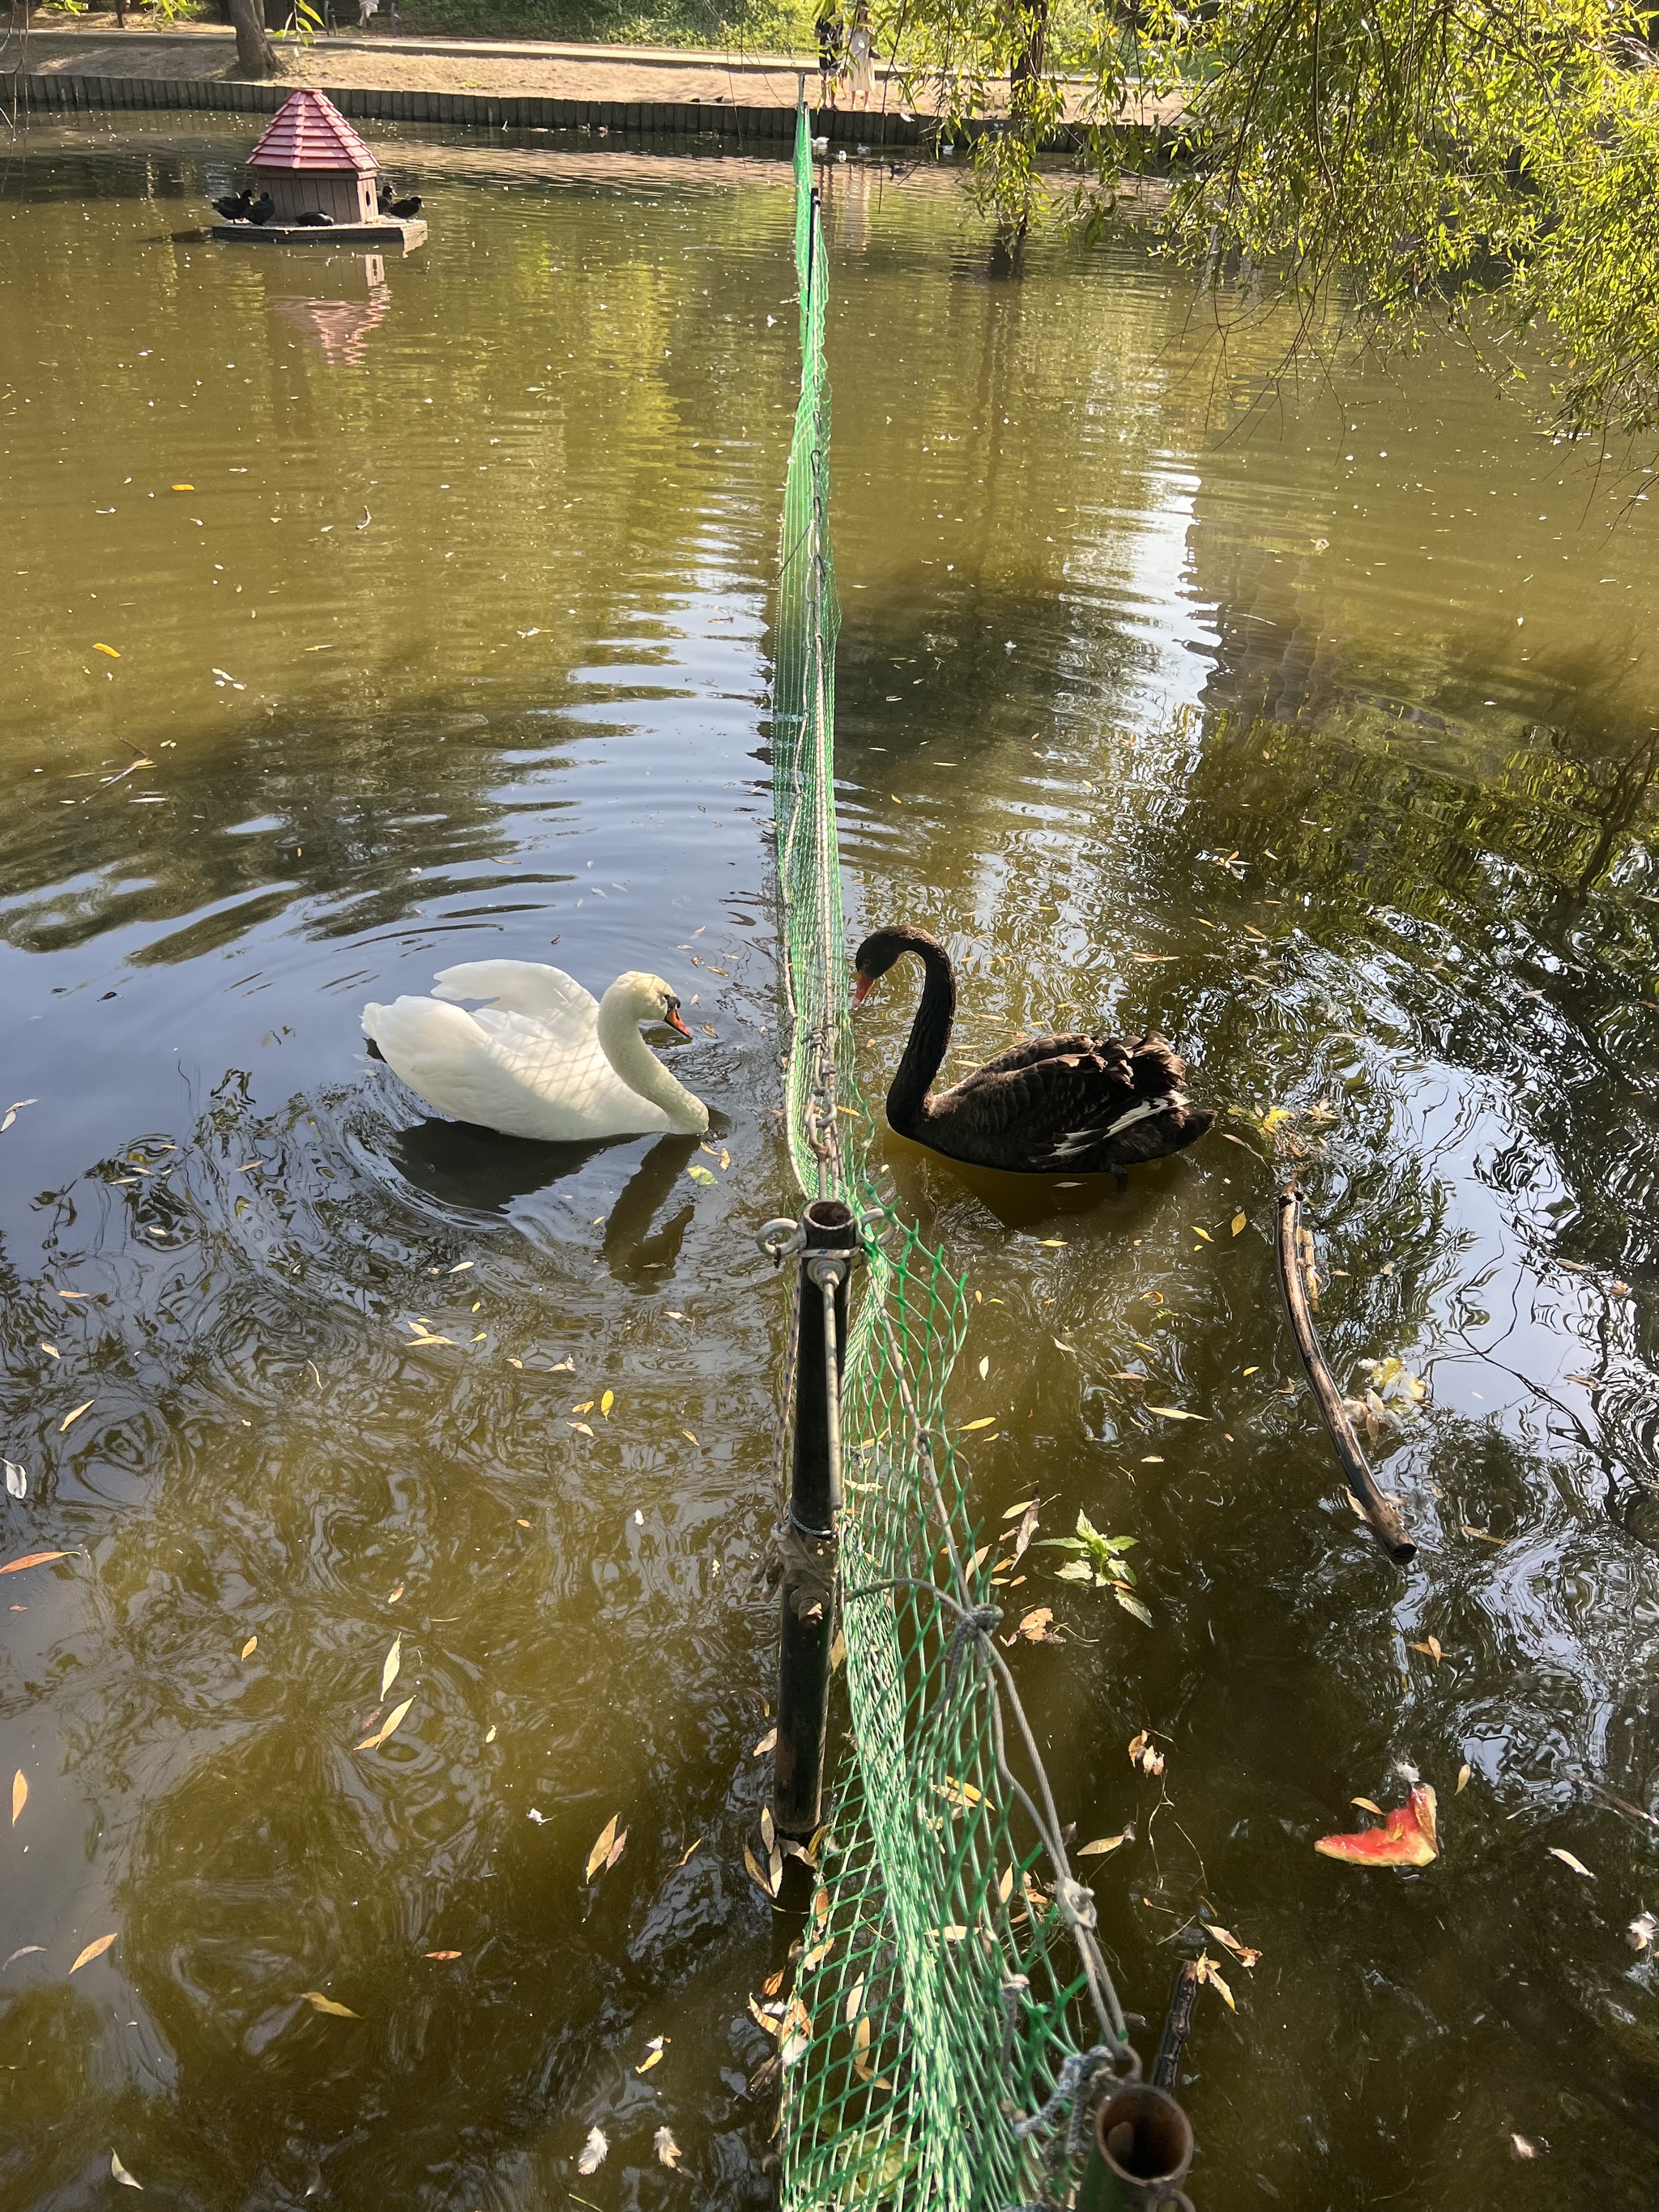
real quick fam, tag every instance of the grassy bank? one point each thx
(744, 26)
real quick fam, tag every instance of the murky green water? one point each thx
(456, 644)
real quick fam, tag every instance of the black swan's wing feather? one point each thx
(1103, 1104)
(1027, 1054)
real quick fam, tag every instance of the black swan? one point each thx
(263, 208)
(406, 210)
(315, 219)
(1054, 1105)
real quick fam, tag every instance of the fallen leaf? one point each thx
(1463, 1773)
(1034, 1625)
(984, 1369)
(24, 1949)
(121, 2173)
(654, 2054)
(250, 1647)
(600, 1853)
(315, 1998)
(1102, 1844)
(394, 1660)
(1239, 1223)
(33, 1559)
(615, 1850)
(19, 1794)
(861, 2063)
(1568, 1860)
(1409, 1836)
(1484, 1535)
(756, 1874)
(667, 2150)
(690, 1438)
(17, 1481)
(606, 1403)
(580, 1427)
(1175, 1413)
(1204, 1233)
(700, 1175)
(95, 1950)
(374, 1742)
(988, 1422)
(1241, 1951)
(768, 1743)
(109, 649)
(1207, 1972)
(1641, 1935)
(1144, 1755)
(443, 1954)
(1367, 1805)
(73, 1415)
(1429, 1648)
(593, 2155)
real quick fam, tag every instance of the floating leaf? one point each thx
(1369, 1805)
(95, 1950)
(667, 2150)
(74, 1414)
(861, 2062)
(768, 1743)
(1239, 1224)
(19, 1794)
(607, 1403)
(374, 1742)
(1241, 1951)
(1132, 1604)
(24, 1950)
(1175, 1413)
(1430, 1649)
(701, 1173)
(250, 1647)
(120, 2172)
(315, 1998)
(989, 1421)
(600, 1853)
(755, 1871)
(615, 1850)
(17, 1481)
(984, 1368)
(1408, 1837)
(1102, 1844)
(654, 2054)
(1568, 1860)
(394, 1660)
(442, 1955)
(580, 1427)
(109, 649)
(686, 1854)
(1144, 1755)
(1035, 1627)
(1207, 1972)
(594, 2152)
(1204, 1233)
(1463, 1773)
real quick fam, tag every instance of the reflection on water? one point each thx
(1315, 731)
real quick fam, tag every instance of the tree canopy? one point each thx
(1495, 162)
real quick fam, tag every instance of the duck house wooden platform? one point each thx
(318, 185)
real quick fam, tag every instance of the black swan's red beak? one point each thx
(674, 1021)
(862, 987)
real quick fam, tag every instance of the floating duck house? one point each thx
(312, 164)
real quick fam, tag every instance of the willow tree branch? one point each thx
(1381, 1517)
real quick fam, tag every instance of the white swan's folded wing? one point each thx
(444, 1056)
(546, 994)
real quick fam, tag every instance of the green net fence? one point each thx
(951, 2014)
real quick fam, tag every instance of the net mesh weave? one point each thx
(937, 1996)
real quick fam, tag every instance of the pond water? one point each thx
(1315, 725)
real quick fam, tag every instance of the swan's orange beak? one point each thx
(674, 1022)
(862, 987)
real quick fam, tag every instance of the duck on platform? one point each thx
(263, 208)
(406, 210)
(315, 219)
(384, 197)
(1051, 1105)
(235, 206)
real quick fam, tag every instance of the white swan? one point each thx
(544, 1059)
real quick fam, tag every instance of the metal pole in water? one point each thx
(810, 1550)
(1141, 2150)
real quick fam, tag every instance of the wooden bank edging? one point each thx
(774, 126)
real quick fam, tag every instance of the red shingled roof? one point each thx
(309, 132)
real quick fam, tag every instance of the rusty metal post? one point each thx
(810, 1549)
(1140, 2153)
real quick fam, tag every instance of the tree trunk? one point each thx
(255, 55)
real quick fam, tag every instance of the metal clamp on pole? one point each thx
(828, 1246)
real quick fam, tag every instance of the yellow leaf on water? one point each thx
(1568, 1860)
(372, 1742)
(1175, 1413)
(443, 1954)
(984, 1368)
(1014, 1511)
(109, 649)
(615, 1850)
(1367, 1805)
(1204, 1233)
(95, 1950)
(607, 1403)
(690, 1438)
(73, 1415)
(759, 1877)
(31, 1559)
(600, 1853)
(250, 1647)
(326, 2004)
(394, 1660)
(1463, 1773)
(654, 2054)
(1102, 1844)
(184, 487)
(1053, 1243)
(988, 1422)
(1207, 1972)
(19, 1794)
(1239, 1222)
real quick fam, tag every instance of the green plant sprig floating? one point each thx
(1097, 1562)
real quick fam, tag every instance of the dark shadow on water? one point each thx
(478, 1170)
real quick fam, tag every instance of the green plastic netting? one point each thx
(941, 1988)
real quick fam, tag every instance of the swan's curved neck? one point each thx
(930, 1035)
(618, 1032)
